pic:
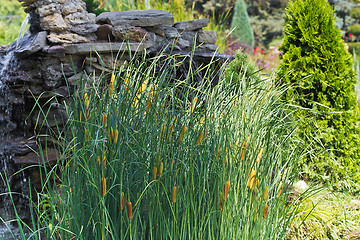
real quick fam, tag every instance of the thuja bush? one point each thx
(241, 25)
(318, 68)
(156, 156)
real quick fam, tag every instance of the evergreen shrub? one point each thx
(318, 69)
(241, 25)
(240, 68)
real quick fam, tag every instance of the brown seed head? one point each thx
(154, 173)
(251, 180)
(161, 169)
(260, 154)
(227, 187)
(266, 193)
(104, 120)
(129, 208)
(266, 210)
(221, 202)
(103, 187)
(173, 194)
(181, 136)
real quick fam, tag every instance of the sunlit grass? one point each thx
(326, 215)
(157, 155)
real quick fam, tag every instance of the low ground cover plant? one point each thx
(325, 214)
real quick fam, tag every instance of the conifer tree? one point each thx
(241, 25)
(318, 69)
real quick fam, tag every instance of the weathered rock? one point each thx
(188, 36)
(192, 24)
(130, 33)
(50, 156)
(206, 37)
(207, 48)
(53, 23)
(183, 44)
(29, 64)
(35, 23)
(56, 117)
(104, 33)
(4, 48)
(86, 48)
(7, 123)
(72, 6)
(80, 18)
(20, 146)
(22, 76)
(55, 51)
(68, 38)
(31, 44)
(138, 18)
(46, 10)
(164, 31)
(75, 79)
(97, 69)
(62, 91)
(84, 29)
(70, 65)
(35, 89)
(52, 77)
(109, 61)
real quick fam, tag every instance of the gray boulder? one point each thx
(137, 18)
(192, 24)
(30, 44)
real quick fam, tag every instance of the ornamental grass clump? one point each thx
(198, 160)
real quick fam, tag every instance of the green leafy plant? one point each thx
(240, 23)
(240, 69)
(355, 13)
(355, 29)
(318, 69)
(93, 6)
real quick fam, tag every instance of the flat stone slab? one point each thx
(85, 48)
(192, 25)
(66, 38)
(137, 18)
(50, 157)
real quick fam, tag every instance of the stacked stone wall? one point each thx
(65, 42)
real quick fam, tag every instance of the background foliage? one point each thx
(11, 17)
(241, 25)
